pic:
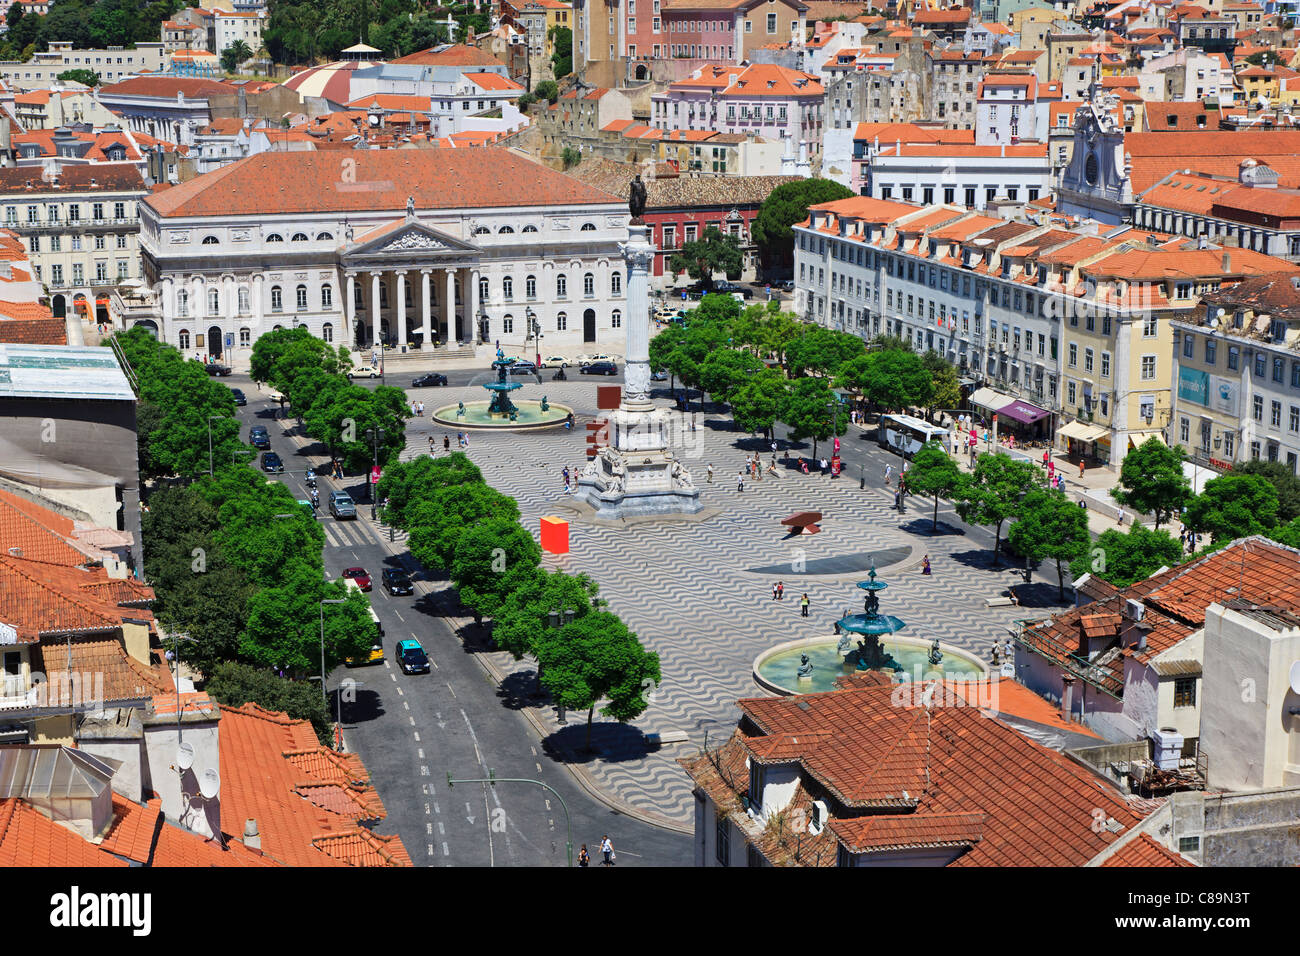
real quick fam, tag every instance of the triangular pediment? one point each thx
(404, 237)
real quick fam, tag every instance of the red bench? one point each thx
(803, 522)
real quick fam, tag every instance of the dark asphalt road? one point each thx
(412, 730)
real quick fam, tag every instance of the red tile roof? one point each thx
(304, 182)
(29, 838)
(168, 87)
(1145, 851)
(457, 55)
(1212, 151)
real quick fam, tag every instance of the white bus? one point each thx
(910, 434)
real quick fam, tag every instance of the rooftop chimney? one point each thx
(252, 837)
(1227, 261)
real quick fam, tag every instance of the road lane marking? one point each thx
(416, 735)
(445, 851)
(442, 830)
(406, 703)
(399, 692)
(399, 616)
(419, 752)
(452, 689)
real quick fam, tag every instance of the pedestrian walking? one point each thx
(1047, 459)
(583, 858)
(740, 481)
(774, 592)
(774, 449)
(607, 849)
(771, 468)
(780, 590)
(430, 444)
(467, 439)
(565, 473)
(889, 473)
(803, 605)
(803, 465)
(460, 439)
(1081, 468)
(709, 471)
(421, 409)
(446, 443)
(925, 565)
(826, 466)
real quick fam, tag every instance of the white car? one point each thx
(664, 315)
(598, 357)
(364, 371)
(555, 361)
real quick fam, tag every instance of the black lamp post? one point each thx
(376, 435)
(553, 618)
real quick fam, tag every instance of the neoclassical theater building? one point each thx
(456, 247)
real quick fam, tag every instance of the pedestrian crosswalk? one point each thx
(361, 533)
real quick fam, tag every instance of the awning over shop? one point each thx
(1081, 431)
(990, 399)
(1137, 438)
(1023, 412)
(967, 381)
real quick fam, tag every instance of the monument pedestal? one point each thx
(637, 474)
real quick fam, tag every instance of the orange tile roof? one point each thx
(911, 133)
(26, 323)
(1145, 851)
(492, 81)
(28, 838)
(456, 55)
(1212, 151)
(304, 182)
(945, 149)
(391, 101)
(168, 86)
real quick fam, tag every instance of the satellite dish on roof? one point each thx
(185, 756)
(209, 784)
(1295, 677)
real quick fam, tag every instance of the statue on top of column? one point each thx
(636, 198)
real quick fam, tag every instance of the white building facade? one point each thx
(449, 247)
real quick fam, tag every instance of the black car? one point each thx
(429, 380)
(523, 368)
(215, 369)
(258, 437)
(727, 288)
(785, 285)
(271, 462)
(599, 368)
(238, 395)
(397, 581)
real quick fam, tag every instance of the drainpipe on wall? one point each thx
(1067, 696)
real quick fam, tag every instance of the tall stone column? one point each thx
(426, 316)
(401, 307)
(350, 310)
(449, 309)
(374, 309)
(639, 254)
(473, 304)
(259, 301)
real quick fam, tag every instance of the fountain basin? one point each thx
(775, 668)
(529, 415)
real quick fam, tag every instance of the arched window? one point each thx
(277, 328)
(183, 337)
(561, 322)
(243, 301)
(299, 237)
(616, 319)
(245, 338)
(508, 288)
(324, 236)
(481, 231)
(277, 299)
(588, 227)
(588, 285)
(301, 296)
(530, 287)
(505, 229)
(327, 297)
(327, 331)
(507, 325)
(561, 286)
(616, 283)
(214, 302)
(529, 229)
(210, 240)
(275, 237)
(482, 288)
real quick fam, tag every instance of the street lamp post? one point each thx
(338, 717)
(210, 418)
(554, 618)
(376, 435)
(533, 325)
(493, 779)
(176, 659)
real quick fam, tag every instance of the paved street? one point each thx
(411, 731)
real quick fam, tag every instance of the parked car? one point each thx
(360, 575)
(397, 581)
(599, 368)
(598, 357)
(271, 462)
(555, 361)
(665, 315)
(411, 657)
(428, 380)
(238, 395)
(363, 371)
(258, 437)
(523, 367)
(785, 285)
(342, 506)
(659, 376)
(214, 369)
(733, 288)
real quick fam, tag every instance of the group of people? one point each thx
(606, 852)
(417, 409)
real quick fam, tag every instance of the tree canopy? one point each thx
(1151, 480)
(994, 492)
(1233, 506)
(1050, 527)
(807, 412)
(1122, 557)
(786, 205)
(933, 472)
(713, 252)
(1284, 482)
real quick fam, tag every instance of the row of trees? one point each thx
(459, 525)
(304, 31)
(770, 367)
(86, 23)
(311, 374)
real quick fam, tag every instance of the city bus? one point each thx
(376, 655)
(910, 434)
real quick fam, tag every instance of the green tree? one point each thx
(283, 629)
(570, 157)
(945, 388)
(1284, 482)
(562, 58)
(723, 372)
(235, 54)
(1122, 558)
(547, 90)
(890, 379)
(821, 351)
(597, 658)
(1151, 480)
(808, 414)
(714, 252)
(662, 347)
(760, 402)
(408, 483)
(786, 205)
(1050, 526)
(1288, 534)
(490, 557)
(1232, 506)
(520, 623)
(440, 519)
(85, 77)
(994, 492)
(721, 310)
(933, 472)
(235, 684)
